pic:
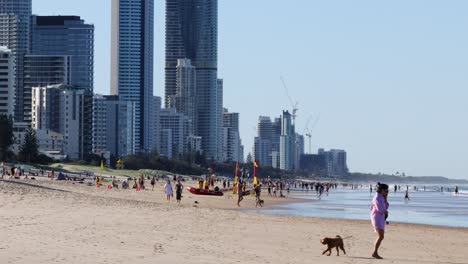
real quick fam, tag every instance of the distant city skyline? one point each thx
(388, 80)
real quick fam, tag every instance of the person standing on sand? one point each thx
(168, 190)
(239, 193)
(179, 188)
(153, 182)
(206, 184)
(379, 207)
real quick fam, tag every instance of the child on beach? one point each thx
(168, 190)
(379, 207)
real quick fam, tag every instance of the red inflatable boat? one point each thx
(204, 192)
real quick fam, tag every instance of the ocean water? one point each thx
(424, 207)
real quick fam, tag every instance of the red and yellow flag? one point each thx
(236, 179)
(255, 180)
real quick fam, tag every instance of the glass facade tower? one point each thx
(192, 33)
(14, 33)
(132, 63)
(69, 36)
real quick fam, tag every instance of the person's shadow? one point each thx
(409, 260)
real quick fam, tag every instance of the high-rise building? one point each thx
(287, 146)
(192, 33)
(111, 120)
(15, 20)
(185, 97)
(262, 143)
(336, 164)
(60, 109)
(7, 82)
(155, 114)
(298, 151)
(174, 133)
(69, 36)
(132, 63)
(231, 140)
(330, 163)
(44, 70)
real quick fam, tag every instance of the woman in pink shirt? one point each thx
(379, 208)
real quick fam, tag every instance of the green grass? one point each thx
(109, 172)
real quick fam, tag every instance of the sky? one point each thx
(387, 81)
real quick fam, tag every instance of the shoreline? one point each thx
(273, 202)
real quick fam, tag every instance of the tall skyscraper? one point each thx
(192, 33)
(132, 63)
(262, 143)
(231, 139)
(15, 20)
(287, 146)
(185, 97)
(7, 82)
(69, 36)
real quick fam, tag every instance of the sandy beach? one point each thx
(75, 223)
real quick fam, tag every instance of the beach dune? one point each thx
(84, 224)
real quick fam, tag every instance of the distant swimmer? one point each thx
(456, 190)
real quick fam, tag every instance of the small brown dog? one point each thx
(331, 243)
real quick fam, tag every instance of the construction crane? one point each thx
(294, 104)
(309, 131)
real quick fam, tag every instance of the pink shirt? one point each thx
(377, 214)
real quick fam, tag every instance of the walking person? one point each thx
(179, 188)
(258, 190)
(168, 190)
(379, 207)
(406, 196)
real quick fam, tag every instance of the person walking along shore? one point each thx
(379, 207)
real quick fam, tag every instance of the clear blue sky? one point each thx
(389, 79)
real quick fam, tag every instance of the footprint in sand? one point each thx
(158, 249)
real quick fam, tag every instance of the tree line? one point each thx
(29, 149)
(187, 164)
